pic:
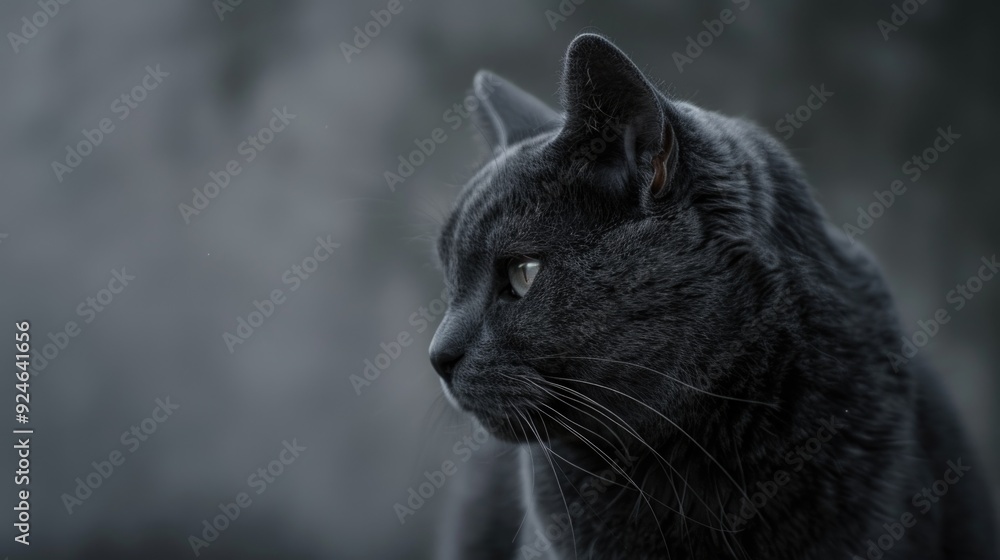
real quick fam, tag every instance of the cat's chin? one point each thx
(512, 426)
(450, 397)
(520, 430)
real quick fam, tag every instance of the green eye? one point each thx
(521, 272)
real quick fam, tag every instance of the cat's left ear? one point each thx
(507, 114)
(606, 96)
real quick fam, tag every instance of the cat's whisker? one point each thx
(431, 210)
(601, 454)
(604, 411)
(556, 475)
(560, 398)
(552, 451)
(660, 459)
(584, 440)
(631, 432)
(642, 495)
(528, 381)
(725, 538)
(425, 237)
(532, 461)
(672, 423)
(614, 466)
(430, 424)
(670, 377)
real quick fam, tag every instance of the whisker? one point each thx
(660, 459)
(683, 516)
(556, 475)
(672, 423)
(532, 460)
(670, 377)
(431, 422)
(642, 495)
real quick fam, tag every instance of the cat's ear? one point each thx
(507, 114)
(606, 96)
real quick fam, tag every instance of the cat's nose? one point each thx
(444, 361)
(447, 348)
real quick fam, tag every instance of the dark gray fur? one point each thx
(666, 315)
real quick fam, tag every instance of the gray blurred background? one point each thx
(64, 234)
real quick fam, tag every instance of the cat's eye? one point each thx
(521, 273)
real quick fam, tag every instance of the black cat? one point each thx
(645, 298)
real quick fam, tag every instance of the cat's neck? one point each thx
(702, 495)
(594, 497)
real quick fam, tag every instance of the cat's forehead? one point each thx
(505, 178)
(503, 204)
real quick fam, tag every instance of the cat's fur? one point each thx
(712, 338)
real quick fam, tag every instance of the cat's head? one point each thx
(599, 265)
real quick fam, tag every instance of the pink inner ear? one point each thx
(660, 163)
(659, 173)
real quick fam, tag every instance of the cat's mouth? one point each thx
(511, 417)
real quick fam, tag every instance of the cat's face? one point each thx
(580, 278)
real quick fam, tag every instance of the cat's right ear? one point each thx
(610, 104)
(506, 114)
